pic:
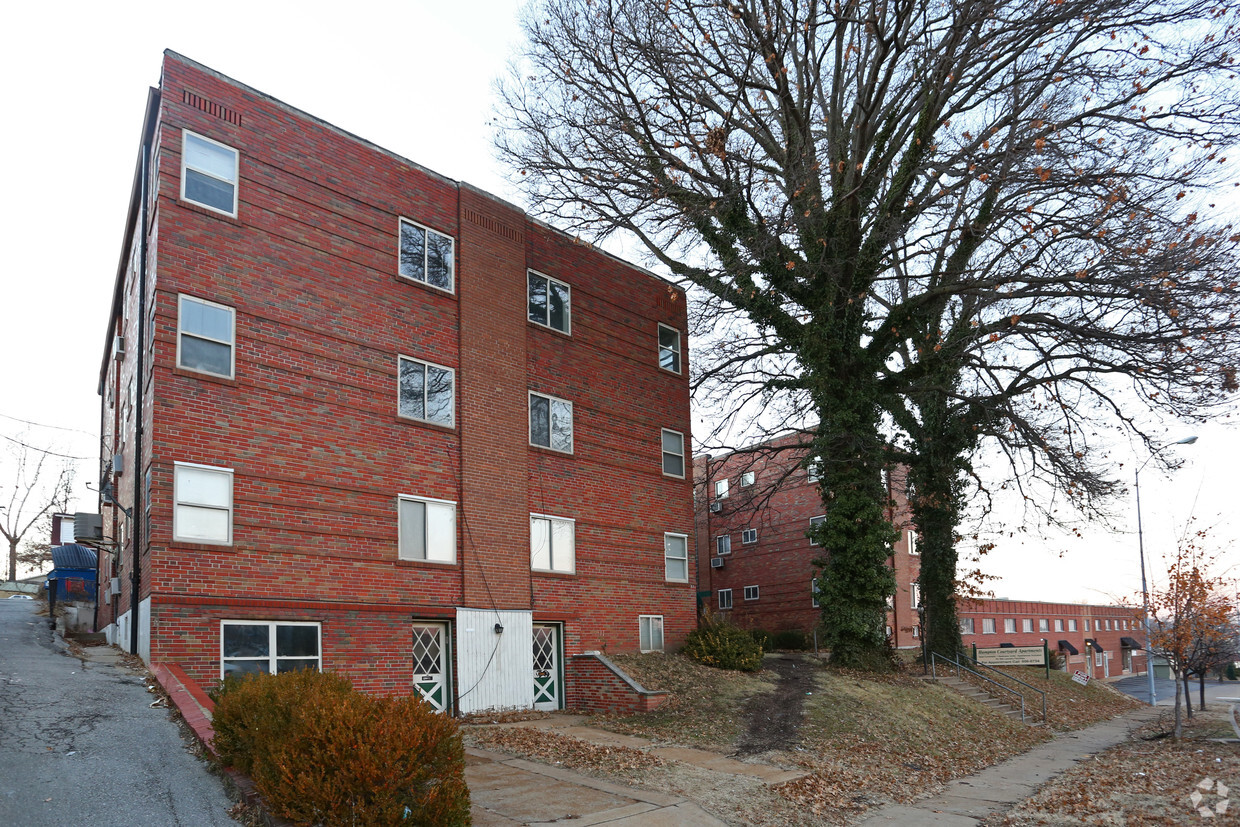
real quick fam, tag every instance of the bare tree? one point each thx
(42, 484)
(912, 226)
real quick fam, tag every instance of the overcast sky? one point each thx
(414, 77)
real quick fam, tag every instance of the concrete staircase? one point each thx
(981, 696)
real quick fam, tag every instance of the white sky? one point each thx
(414, 77)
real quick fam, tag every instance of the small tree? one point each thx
(42, 485)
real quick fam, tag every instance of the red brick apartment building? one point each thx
(1102, 641)
(756, 564)
(360, 417)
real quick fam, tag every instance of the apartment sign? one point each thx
(1012, 656)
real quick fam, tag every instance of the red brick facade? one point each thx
(770, 493)
(308, 421)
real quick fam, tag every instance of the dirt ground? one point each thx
(774, 720)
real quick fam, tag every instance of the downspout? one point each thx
(140, 381)
(103, 419)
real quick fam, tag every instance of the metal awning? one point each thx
(1129, 643)
(1066, 646)
(1094, 643)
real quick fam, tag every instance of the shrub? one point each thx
(1231, 672)
(321, 753)
(1055, 659)
(792, 639)
(723, 645)
(763, 638)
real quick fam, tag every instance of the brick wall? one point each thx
(598, 685)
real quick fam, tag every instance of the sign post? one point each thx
(1046, 658)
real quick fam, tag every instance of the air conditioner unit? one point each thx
(116, 585)
(716, 507)
(118, 464)
(88, 527)
(118, 348)
(716, 562)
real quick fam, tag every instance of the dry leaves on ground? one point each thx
(562, 750)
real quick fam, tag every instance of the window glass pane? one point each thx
(212, 192)
(293, 664)
(206, 320)
(211, 158)
(540, 543)
(677, 569)
(439, 260)
(656, 634)
(673, 442)
(561, 425)
(440, 532)
(210, 357)
(297, 641)
(412, 389)
(674, 465)
(202, 487)
(244, 667)
(562, 545)
(246, 641)
(412, 530)
(643, 634)
(559, 306)
(538, 298)
(439, 395)
(669, 338)
(669, 349)
(202, 523)
(412, 251)
(540, 420)
(675, 546)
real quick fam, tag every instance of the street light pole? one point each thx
(1145, 592)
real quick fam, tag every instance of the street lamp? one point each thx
(1145, 592)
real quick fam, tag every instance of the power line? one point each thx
(41, 425)
(41, 450)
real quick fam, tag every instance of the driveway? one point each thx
(81, 745)
(1138, 687)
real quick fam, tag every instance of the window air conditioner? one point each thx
(118, 464)
(716, 507)
(116, 585)
(716, 562)
(118, 348)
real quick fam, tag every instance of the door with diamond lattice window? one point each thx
(430, 663)
(548, 684)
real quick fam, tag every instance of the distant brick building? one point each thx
(361, 417)
(755, 562)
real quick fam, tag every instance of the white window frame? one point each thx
(723, 544)
(988, 625)
(272, 654)
(427, 231)
(1058, 624)
(666, 453)
(749, 536)
(646, 625)
(1009, 625)
(684, 539)
(568, 313)
(451, 423)
(182, 298)
(915, 594)
(1086, 624)
(813, 521)
(236, 175)
(725, 599)
(177, 504)
(747, 478)
(967, 626)
(551, 519)
(1044, 624)
(813, 593)
(751, 592)
(910, 540)
(676, 350)
(721, 489)
(426, 540)
(571, 423)
(1072, 624)
(1098, 657)
(1026, 625)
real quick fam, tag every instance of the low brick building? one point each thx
(358, 416)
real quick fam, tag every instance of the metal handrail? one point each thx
(935, 657)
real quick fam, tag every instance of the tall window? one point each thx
(209, 173)
(915, 593)
(1044, 625)
(426, 391)
(669, 348)
(1058, 625)
(1009, 625)
(988, 625)
(650, 633)
(550, 302)
(1072, 624)
(911, 539)
(966, 625)
(552, 544)
(676, 557)
(551, 423)
(426, 255)
(813, 593)
(202, 512)
(1027, 624)
(721, 489)
(205, 335)
(270, 647)
(673, 453)
(427, 529)
(815, 521)
(725, 598)
(723, 544)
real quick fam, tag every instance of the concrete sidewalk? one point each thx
(967, 801)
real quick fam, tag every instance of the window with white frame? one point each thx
(813, 593)
(203, 504)
(751, 592)
(966, 625)
(209, 173)
(268, 646)
(988, 625)
(676, 558)
(1087, 624)
(747, 478)
(814, 521)
(725, 598)
(749, 536)
(1072, 625)
(1026, 625)
(426, 256)
(1044, 625)
(426, 391)
(552, 544)
(721, 489)
(673, 453)
(551, 422)
(723, 544)
(426, 529)
(1098, 658)
(669, 348)
(550, 302)
(813, 470)
(1009, 625)
(206, 332)
(650, 633)
(910, 539)
(915, 594)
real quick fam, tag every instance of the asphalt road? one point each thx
(1138, 687)
(80, 744)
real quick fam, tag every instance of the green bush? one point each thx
(724, 646)
(322, 753)
(791, 639)
(1054, 659)
(1231, 672)
(763, 638)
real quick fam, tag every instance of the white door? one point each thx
(430, 663)
(548, 685)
